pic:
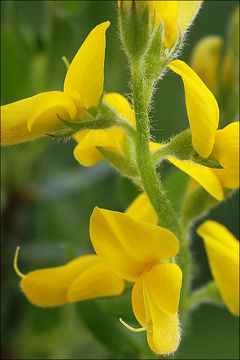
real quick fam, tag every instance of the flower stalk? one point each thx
(146, 166)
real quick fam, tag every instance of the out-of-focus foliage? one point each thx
(47, 198)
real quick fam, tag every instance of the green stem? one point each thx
(158, 155)
(207, 294)
(146, 166)
(124, 125)
(183, 259)
(124, 165)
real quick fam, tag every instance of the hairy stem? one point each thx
(146, 166)
(183, 259)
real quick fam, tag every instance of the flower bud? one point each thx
(205, 60)
(134, 27)
(230, 65)
(229, 73)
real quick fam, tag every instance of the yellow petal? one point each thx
(85, 76)
(15, 117)
(86, 152)
(139, 303)
(48, 287)
(121, 241)
(187, 11)
(96, 281)
(142, 209)
(44, 113)
(226, 146)
(154, 146)
(228, 178)
(121, 105)
(223, 255)
(202, 174)
(202, 108)
(163, 336)
(205, 60)
(164, 282)
(166, 12)
(162, 328)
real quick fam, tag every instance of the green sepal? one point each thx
(125, 166)
(89, 124)
(213, 164)
(176, 46)
(181, 146)
(62, 136)
(157, 56)
(94, 110)
(135, 28)
(105, 119)
(153, 64)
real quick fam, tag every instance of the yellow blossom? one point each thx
(85, 277)
(38, 115)
(120, 240)
(123, 253)
(223, 254)
(221, 145)
(86, 152)
(203, 114)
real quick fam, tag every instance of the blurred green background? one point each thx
(47, 197)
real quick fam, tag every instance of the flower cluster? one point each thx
(144, 245)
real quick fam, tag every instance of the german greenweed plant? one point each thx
(147, 247)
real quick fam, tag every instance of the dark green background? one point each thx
(47, 197)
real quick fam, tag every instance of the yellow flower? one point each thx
(86, 152)
(36, 116)
(203, 115)
(85, 277)
(129, 246)
(220, 145)
(138, 250)
(175, 15)
(223, 254)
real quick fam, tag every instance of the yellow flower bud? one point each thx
(205, 60)
(230, 64)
